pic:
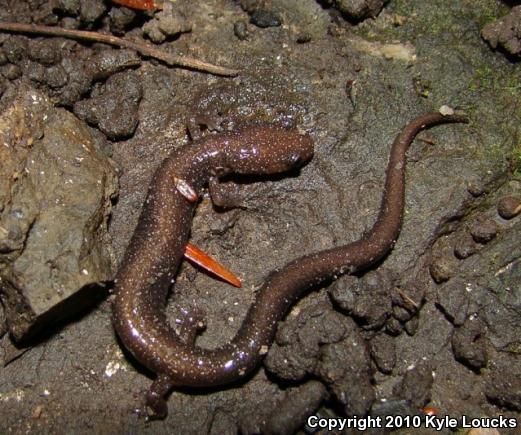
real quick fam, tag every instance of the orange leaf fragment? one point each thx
(199, 257)
(137, 4)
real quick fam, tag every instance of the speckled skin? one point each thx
(158, 243)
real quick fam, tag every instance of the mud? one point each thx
(437, 323)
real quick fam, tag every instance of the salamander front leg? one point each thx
(155, 401)
(224, 194)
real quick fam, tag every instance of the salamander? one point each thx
(157, 245)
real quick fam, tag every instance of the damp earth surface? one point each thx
(436, 323)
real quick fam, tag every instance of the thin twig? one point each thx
(143, 48)
(407, 298)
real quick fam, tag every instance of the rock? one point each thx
(240, 29)
(469, 344)
(287, 415)
(416, 385)
(114, 109)
(108, 62)
(505, 32)
(368, 299)
(383, 352)
(45, 52)
(503, 381)
(441, 268)
(166, 23)
(483, 229)
(55, 190)
(326, 344)
(454, 299)
(345, 368)
(70, 7)
(509, 207)
(465, 246)
(120, 19)
(91, 10)
(360, 9)
(264, 18)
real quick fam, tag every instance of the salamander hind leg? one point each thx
(155, 400)
(189, 324)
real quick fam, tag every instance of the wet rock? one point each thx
(410, 297)
(45, 52)
(120, 19)
(240, 29)
(442, 268)
(394, 326)
(383, 352)
(509, 207)
(393, 406)
(412, 325)
(503, 381)
(416, 385)
(465, 246)
(367, 299)
(114, 109)
(483, 229)
(69, 7)
(264, 18)
(289, 414)
(78, 83)
(15, 48)
(223, 424)
(108, 62)
(470, 345)
(167, 23)
(11, 71)
(55, 194)
(453, 299)
(53, 77)
(345, 368)
(476, 188)
(326, 344)
(297, 342)
(505, 32)
(56, 77)
(91, 10)
(359, 9)
(401, 314)
(3, 58)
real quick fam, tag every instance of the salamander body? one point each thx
(157, 246)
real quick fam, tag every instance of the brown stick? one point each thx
(143, 48)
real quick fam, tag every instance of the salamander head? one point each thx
(270, 149)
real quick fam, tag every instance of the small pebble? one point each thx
(475, 189)
(483, 229)
(3, 58)
(120, 19)
(240, 29)
(393, 326)
(465, 246)
(441, 270)
(11, 72)
(44, 52)
(264, 18)
(509, 207)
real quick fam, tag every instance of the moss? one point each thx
(516, 160)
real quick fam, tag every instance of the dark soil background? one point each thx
(437, 323)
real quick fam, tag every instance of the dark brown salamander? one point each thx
(157, 247)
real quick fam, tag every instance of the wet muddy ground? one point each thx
(437, 323)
